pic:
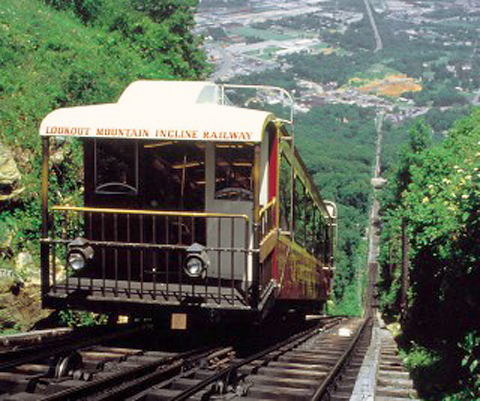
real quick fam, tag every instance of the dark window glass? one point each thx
(116, 167)
(309, 224)
(299, 212)
(320, 235)
(233, 171)
(285, 193)
(174, 177)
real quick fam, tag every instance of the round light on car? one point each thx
(79, 253)
(76, 260)
(194, 266)
(197, 261)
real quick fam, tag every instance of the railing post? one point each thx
(256, 229)
(44, 247)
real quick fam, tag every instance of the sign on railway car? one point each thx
(147, 133)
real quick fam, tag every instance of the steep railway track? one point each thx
(306, 366)
(382, 375)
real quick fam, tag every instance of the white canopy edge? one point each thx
(145, 112)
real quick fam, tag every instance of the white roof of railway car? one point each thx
(161, 110)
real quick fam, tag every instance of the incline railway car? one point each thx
(192, 208)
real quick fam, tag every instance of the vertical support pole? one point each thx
(405, 275)
(256, 227)
(304, 217)
(44, 247)
(115, 253)
(222, 94)
(331, 244)
(292, 202)
(314, 231)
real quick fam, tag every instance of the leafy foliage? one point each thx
(81, 319)
(329, 68)
(437, 189)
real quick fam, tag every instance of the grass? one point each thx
(377, 71)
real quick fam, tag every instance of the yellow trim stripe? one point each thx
(146, 212)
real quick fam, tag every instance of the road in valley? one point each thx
(378, 39)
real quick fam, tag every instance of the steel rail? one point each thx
(330, 380)
(288, 345)
(159, 377)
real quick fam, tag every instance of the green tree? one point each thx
(440, 204)
(420, 138)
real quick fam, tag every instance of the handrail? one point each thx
(261, 87)
(147, 212)
(264, 209)
(284, 92)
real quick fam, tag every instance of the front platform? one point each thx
(203, 304)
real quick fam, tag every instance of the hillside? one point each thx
(58, 53)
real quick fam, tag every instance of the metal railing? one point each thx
(140, 254)
(268, 228)
(268, 218)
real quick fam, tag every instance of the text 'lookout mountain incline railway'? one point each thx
(145, 133)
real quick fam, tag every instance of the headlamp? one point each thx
(197, 261)
(79, 254)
